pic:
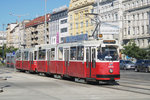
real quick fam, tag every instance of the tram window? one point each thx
(26, 55)
(107, 53)
(35, 55)
(53, 54)
(12, 58)
(73, 53)
(18, 56)
(80, 53)
(42, 54)
(60, 53)
(8, 59)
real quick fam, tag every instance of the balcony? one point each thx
(130, 37)
(133, 6)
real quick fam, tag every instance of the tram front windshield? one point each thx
(107, 53)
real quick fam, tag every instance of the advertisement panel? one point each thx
(75, 38)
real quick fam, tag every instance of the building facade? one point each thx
(136, 22)
(15, 34)
(22, 33)
(63, 26)
(3, 38)
(58, 25)
(79, 21)
(9, 33)
(110, 15)
(35, 31)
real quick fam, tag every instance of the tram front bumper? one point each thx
(107, 77)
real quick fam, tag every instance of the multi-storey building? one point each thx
(110, 15)
(58, 25)
(35, 31)
(22, 33)
(9, 37)
(63, 26)
(136, 22)
(79, 23)
(15, 34)
(2, 38)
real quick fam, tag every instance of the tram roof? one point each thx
(79, 43)
(86, 43)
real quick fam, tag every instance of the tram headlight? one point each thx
(111, 70)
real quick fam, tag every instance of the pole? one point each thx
(45, 22)
(98, 20)
(3, 45)
(19, 23)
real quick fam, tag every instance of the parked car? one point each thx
(126, 64)
(142, 66)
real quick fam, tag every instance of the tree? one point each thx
(7, 50)
(134, 51)
(148, 52)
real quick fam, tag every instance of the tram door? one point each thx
(31, 60)
(66, 58)
(48, 60)
(22, 60)
(90, 60)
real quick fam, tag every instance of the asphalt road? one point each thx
(24, 86)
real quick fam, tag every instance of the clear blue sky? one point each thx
(23, 7)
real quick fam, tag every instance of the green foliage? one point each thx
(134, 51)
(148, 53)
(6, 50)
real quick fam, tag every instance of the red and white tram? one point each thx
(88, 60)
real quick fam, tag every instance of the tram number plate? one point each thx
(110, 66)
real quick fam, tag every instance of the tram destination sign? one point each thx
(76, 38)
(109, 42)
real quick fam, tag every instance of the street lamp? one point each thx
(3, 44)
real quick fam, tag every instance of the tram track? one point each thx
(140, 89)
(138, 82)
(124, 89)
(136, 87)
(135, 80)
(144, 84)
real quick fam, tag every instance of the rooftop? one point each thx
(37, 21)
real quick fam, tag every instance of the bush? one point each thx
(134, 51)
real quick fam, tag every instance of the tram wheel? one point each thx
(47, 74)
(112, 82)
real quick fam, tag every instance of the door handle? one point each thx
(68, 63)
